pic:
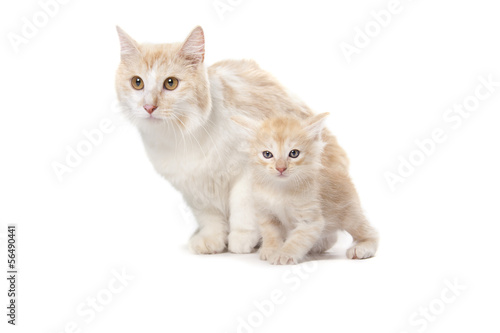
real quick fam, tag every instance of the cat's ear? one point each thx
(193, 48)
(250, 126)
(315, 124)
(128, 46)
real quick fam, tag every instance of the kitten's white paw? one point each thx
(279, 258)
(361, 251)
(207, 243)
(243, 241)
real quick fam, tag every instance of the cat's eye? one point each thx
(137, 83)
(294, 153)
(171, 83)
(267, 154)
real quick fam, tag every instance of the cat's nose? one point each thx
(281, 170)
(150, 108)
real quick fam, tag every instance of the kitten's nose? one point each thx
(150, 108)
(281, 170)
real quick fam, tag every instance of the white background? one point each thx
(113, 212)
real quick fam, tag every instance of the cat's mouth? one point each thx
(153, 118)
(162, 117)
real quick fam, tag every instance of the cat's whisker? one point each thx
(194, 112)
(166, 121)
(194, 137)
(214, 145)
(182, 134)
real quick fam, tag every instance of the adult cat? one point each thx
(182, 110)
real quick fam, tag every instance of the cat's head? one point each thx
(284, 149)
(160, 84)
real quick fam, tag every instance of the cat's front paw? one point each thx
(207, 243)
(243, 241)
(280, 258)
(361, 251)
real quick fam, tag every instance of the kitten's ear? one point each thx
(249, 125)
(315, 124)
(193, 48)
(128, 46)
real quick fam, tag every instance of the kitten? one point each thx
(182, 110)
(302, 190)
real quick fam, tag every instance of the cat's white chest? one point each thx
(193, 172)
(170, 162)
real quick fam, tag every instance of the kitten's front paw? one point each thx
(265, 253)
(279, 258)
(361, 251)
(207, 244)
(243, 241)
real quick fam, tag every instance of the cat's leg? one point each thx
(299, 241)
(211, 236)
(365, 237)
(272, 236)
(324, 243)
(244, 234)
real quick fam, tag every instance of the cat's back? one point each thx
(235, 66)
(334, 156)
(256, 93)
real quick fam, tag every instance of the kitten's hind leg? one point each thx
(365, 237)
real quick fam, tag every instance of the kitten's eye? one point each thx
(267, 154)
(294, 153)
(171, 83)
(137, 83)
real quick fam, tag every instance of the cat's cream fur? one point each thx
(303, 201)
(190, 139)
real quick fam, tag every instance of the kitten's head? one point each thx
(159, 84)
(285, 149)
